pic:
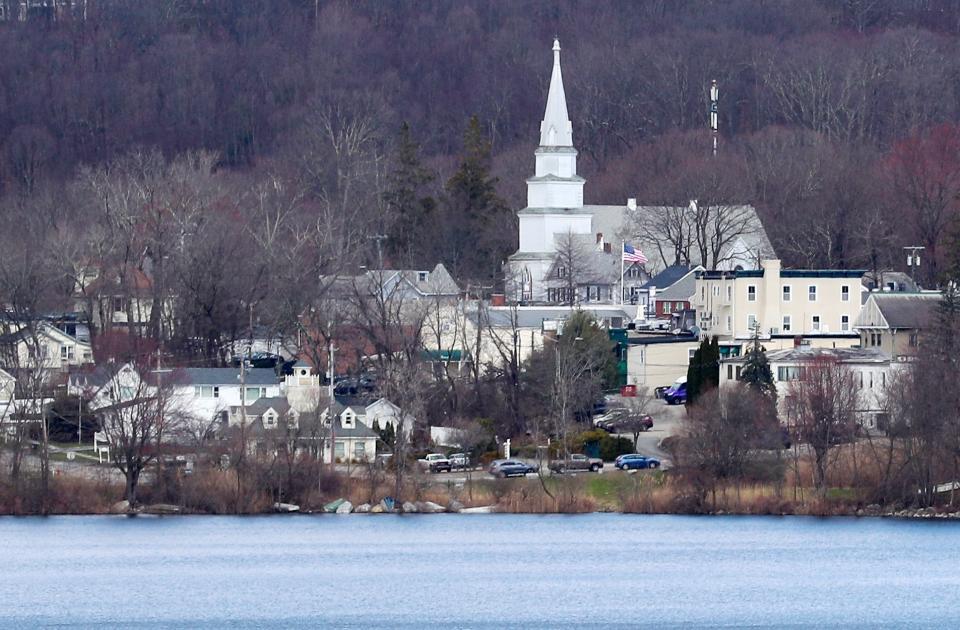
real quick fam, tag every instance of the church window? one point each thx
(561, 271)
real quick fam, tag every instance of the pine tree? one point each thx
(756, 371)
(477, 238)
(413, 213)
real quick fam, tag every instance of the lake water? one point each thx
(478, 571)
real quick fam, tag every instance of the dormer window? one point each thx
(269, 420)
(421, 276)
(561, 271)
(347, 419)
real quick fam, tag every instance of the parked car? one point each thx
(677, 393)
(436, 462)
(459, 460)
(620, 421)
(576, 462)
(634, 461)
(509, 468)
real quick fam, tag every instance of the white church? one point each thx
(556, 219)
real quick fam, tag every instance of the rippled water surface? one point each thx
(478, 571)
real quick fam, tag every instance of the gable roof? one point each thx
(906, 310)
(683, 289)
(263, 405)
(810, 353)
(668, 277)
(228, 376)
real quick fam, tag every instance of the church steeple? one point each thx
(556, 130)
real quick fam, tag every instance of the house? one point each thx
(49, 348)
(113, 298)
(555, 208)
(894, 322)
(352, 437)
(658, 360)
(817, 305)
(208, 394)
(374, 413)
(872, 371)
(496, 334)
(669, 292)
(105, 384)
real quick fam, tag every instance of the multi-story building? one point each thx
(818, 305)
(870, 369)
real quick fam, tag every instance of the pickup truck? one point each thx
(576, 462)
(435, 462)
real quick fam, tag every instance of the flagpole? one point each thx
(623, 247)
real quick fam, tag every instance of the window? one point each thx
(816, 323)
(729, 293)
(751, 293)
(338, 450)
(914, 340)
(421, 276)
(739, 369)
(788, 373)
(126, 393)
(729, 322)
(845, 293)
(844, 323)
(561, 271)
(786, 294)
(253, 393)
(119, 305)
(786, 324)
(812, 293)
(716, 290)
(269, 420)
(347, 419)
(360, 450)
(66, 353)
(751, 322)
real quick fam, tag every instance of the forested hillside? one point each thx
(168, 135)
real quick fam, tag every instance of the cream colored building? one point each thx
(658, 361)
(819, 305)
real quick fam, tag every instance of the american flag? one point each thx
(633, 255)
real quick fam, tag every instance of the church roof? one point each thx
(556, 129)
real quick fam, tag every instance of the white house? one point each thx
(872, 372)
(57, 349)
(207, 394)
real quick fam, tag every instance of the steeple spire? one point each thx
(556, 130)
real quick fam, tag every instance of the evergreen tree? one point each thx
(756, 371)
(413, 213)
(479, 233)
(703, 373)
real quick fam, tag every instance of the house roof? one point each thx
(620, 222)
(809, 353)
(262, 405)
(668, 277)
(228, 376)
(907, 310)
(534, 317)
(113, 282)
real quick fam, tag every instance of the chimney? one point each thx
(797, 341)
(631, 203)
(498, 299)
(599, 237)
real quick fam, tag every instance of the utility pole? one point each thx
(913, 260)
(333, 423)
(714, 113)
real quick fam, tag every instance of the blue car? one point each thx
(635, 461)
(676, 394)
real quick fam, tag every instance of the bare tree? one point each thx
(822, 406)
(135, 423)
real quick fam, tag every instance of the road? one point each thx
(667, 421)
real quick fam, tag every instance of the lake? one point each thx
(478, 571)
